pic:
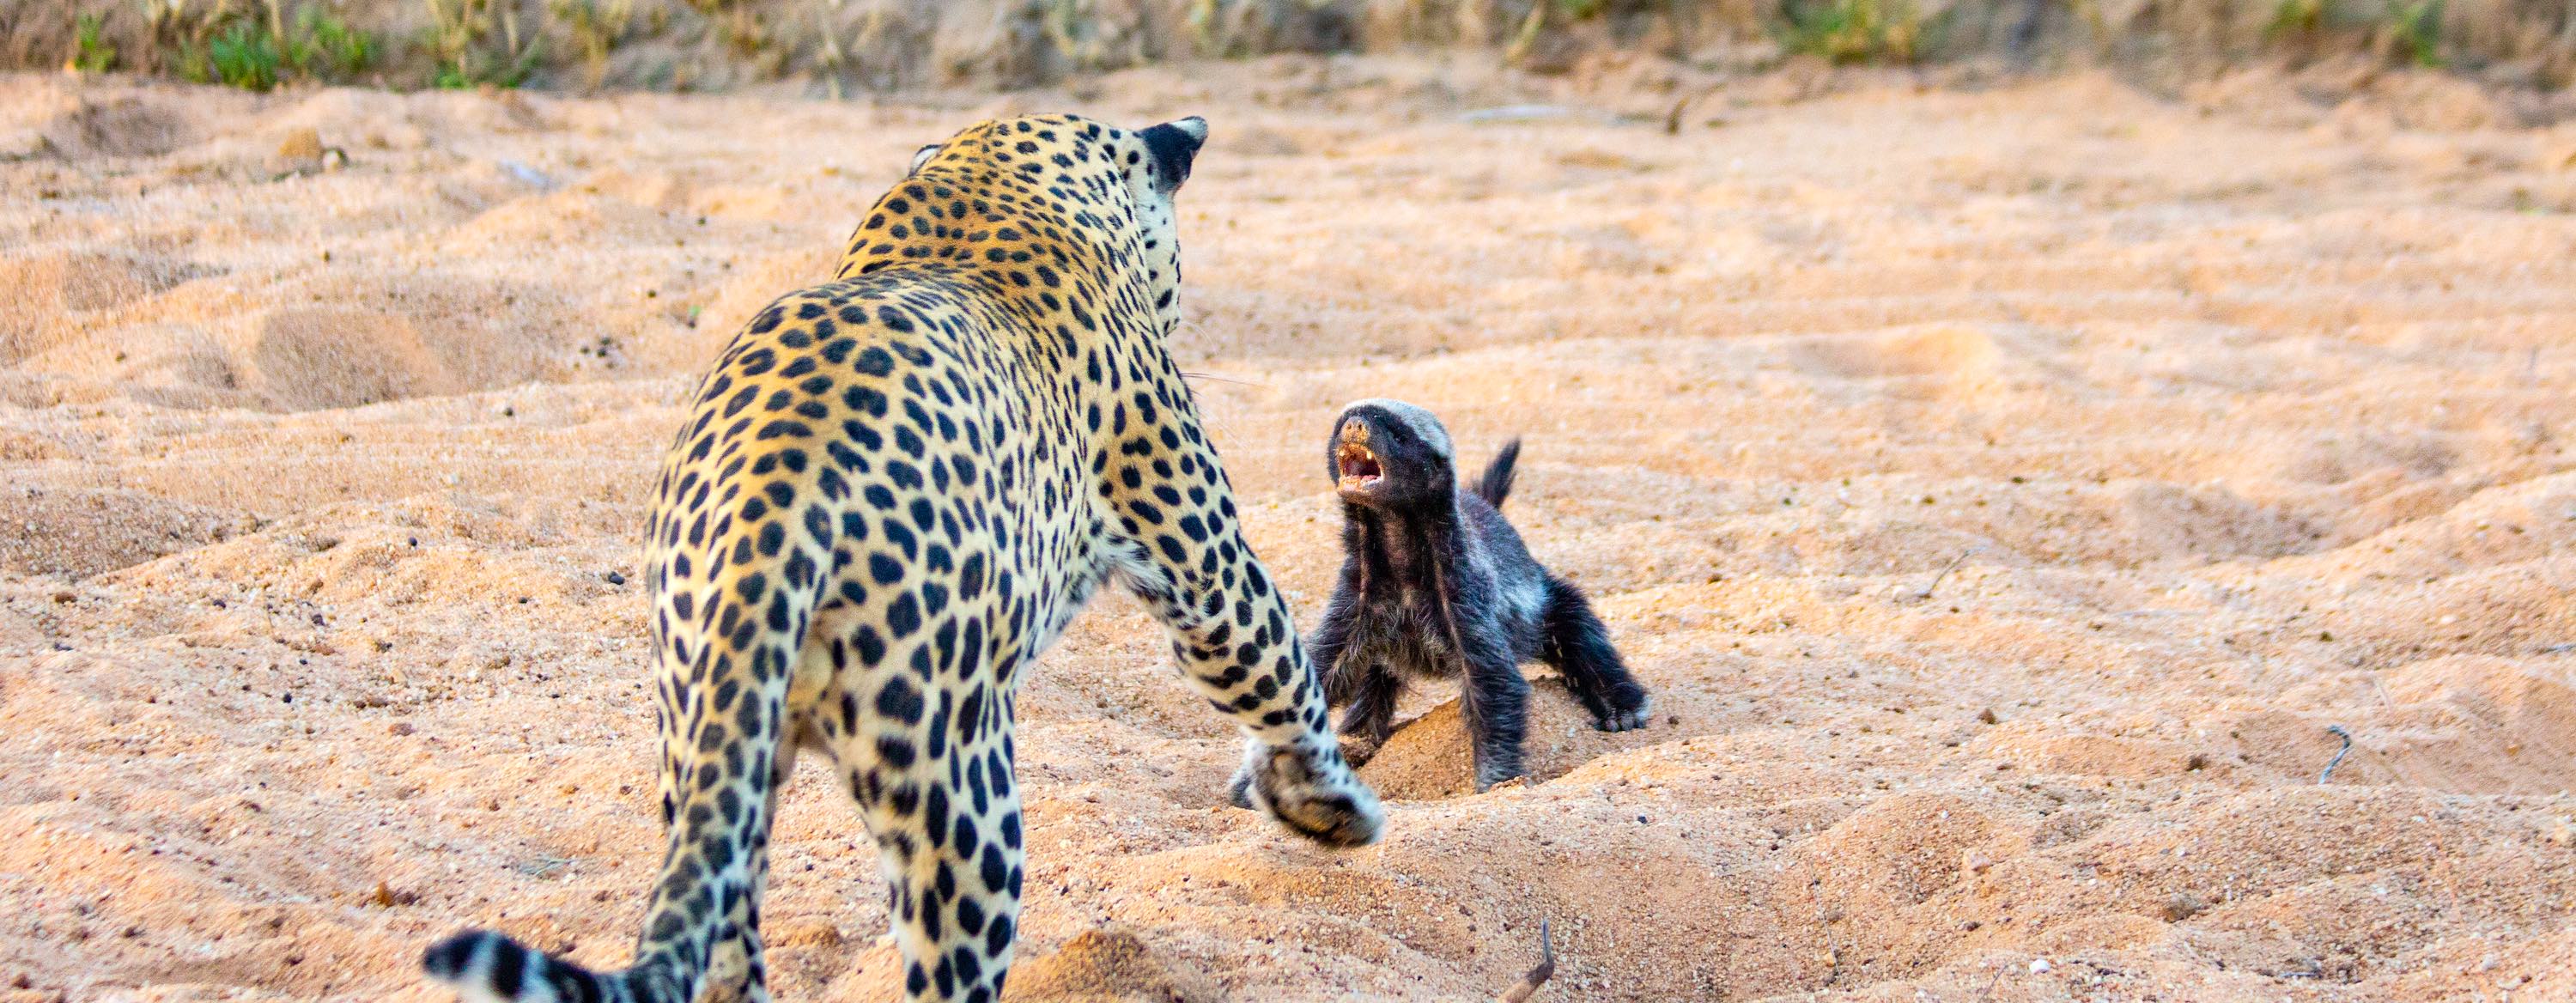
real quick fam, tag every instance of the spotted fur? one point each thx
(892, 493)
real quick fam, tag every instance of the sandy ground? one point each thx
(2002, 492)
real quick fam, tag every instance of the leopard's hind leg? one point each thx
(735, 967)
(919, 721)
(736, 964)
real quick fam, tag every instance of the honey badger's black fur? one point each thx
(1435, 583)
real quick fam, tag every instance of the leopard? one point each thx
(891, 493)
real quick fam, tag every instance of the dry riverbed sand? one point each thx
(2002, 492)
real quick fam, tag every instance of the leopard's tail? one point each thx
(1496, 485)
(703, 918)
(486, 967)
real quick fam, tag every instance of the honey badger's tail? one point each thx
(1496, 485)
(486, 967)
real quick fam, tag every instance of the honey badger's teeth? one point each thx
(1359, 467)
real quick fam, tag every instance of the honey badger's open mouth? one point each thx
(1358, 467)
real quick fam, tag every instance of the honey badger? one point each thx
(1435, 583)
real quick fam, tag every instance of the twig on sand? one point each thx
(2337, 731)
(1945, 573)
(1673, 117)
(1546, 967)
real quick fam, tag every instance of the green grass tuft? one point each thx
(2415, 27)
(91, 52)
(2295, 17)
(243, 55)
(1856, 31)
(240, 49)
(323, 46)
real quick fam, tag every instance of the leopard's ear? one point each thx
(1174, 145)
(922, 156)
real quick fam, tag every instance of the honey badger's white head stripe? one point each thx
(1414, 419)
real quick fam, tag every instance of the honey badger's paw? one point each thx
(1308, 788)
(1629, 709)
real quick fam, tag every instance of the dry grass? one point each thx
(840, 45)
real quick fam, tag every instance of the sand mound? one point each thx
(1107, 966)
(45, 298)
(341, 358)
(2171, 522)
(173, 365)
(2482, 725)
(120, 126)
(442, 338)
(76, 532)
(1429, 757)
(1939, 352)
(2049, 750)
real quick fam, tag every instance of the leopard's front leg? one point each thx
(1231, 632)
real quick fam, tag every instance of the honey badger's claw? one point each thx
(1626, 720)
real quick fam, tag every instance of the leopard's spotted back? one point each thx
(893, 492)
